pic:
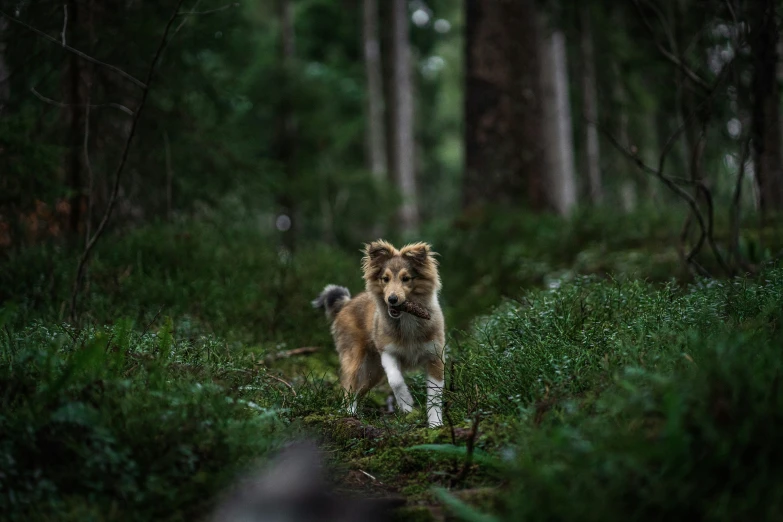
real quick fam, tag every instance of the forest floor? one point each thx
(198, 353)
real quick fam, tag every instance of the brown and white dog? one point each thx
(374, 337)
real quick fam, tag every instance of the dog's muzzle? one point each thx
(394, 312)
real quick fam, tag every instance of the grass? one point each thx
(580, 397)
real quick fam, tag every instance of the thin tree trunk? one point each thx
(5, 73)
(372, 65)
(286, 127)
(404, 122)
(626, 184)
(590, 108)
(505, 161)
(78, 78)
(766, 133)
(560, 149)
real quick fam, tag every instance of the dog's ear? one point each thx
(419, 253)
(379, 250)
(375, 255)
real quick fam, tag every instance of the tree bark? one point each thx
(504, 155)
(5, 73)
(286, 127)
(626, 184)
(557, 110)
(590, 109)
(403, 137)
(766, 134)
(78, 80)
(372, 64)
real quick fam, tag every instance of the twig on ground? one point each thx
(282, 381)
(375, 479)
(304, 350)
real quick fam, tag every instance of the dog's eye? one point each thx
(385, 279)
(405, 279)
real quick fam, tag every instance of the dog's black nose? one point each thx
(393, 299)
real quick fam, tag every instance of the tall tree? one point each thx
(77, 29)
(592, 156)
(622, 132)
(504, 156)
(766, 134)
(286, 126)
(5, 73)
(557, 110)
(403, 137)
(376, 135)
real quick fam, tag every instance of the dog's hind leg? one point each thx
(359, 375)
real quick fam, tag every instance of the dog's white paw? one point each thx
(434, 417)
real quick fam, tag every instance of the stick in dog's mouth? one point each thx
(408, 307)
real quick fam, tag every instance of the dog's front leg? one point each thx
(391, 366)
(435, 393)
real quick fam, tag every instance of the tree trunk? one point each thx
(766, 134)
(590, 109)
(504, 156)
(557, 110)
(403, 137)
(78, 80)
(5, 74)
(286, 128)
(376, 139)
(626, 183)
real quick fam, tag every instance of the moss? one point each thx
(414, 514)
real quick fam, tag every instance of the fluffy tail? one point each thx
(332, 300)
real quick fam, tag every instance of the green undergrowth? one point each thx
(116, 424)
(578, 396)
(636, 403)
(234, 282)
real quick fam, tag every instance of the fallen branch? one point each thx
(282, 381)
(305, 350)
(120, 168)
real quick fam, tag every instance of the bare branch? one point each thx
(65, 23)
(690, 73)
(671, 183)
(98, 106)
(209, 11)
(77, 52)
(121, 167)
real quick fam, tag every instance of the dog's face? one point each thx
(395, 276)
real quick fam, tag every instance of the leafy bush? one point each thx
(112, 423)
(231, 281)
(635, 403)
